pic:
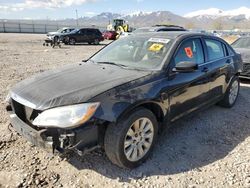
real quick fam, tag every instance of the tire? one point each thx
(56, 39)
(231, 94)
(96, 42)
(66, 40)
(135, 152)
(72, 41)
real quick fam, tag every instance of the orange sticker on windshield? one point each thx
(189, 52)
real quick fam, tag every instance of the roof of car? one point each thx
(174, 35)
(87, 28)
(157, 27)
(167, 35)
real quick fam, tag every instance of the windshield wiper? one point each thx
(112, 63)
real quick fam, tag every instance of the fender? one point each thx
(122, 99)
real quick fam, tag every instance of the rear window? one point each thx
(215, 49)
(96, 31)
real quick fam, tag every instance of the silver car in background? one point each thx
(242, 46)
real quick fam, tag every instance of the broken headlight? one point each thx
(66, 116)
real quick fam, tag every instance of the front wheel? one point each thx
(72, 41)
(232, 93)
(129, 142)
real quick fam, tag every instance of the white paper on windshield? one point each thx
(159, 40)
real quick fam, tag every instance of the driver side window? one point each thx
(190, 50)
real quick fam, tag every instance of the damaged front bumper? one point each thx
(35, 137)
(81, 139)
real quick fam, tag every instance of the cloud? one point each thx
(31, 4)
(90, 13)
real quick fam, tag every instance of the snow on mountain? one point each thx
(216, 13)
(237, 12)
(137, 13)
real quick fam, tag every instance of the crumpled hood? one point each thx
(71, 84)
(245, 54)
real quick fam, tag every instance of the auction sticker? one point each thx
(155, 47)
(159, 40)
(189, 52)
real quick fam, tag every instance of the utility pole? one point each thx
(77, 18)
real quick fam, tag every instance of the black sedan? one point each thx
(242, 46)
(121, 97)
(88, 35)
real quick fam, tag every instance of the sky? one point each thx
(59, 9)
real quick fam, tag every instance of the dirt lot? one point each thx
(208, 149)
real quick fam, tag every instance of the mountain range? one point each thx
(213, 18)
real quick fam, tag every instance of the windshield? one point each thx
(242, 43)
(60, 30)
(135, 52)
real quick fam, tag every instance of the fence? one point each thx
(20, 27)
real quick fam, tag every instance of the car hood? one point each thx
(245, 54)
(71, 84)
(52, 33)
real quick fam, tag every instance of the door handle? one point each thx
(205, 69)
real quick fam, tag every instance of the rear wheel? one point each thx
(129, 142)
(96, 42)
(232, 93)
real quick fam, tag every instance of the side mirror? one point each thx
(185, 66)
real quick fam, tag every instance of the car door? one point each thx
(188, 90)
(89, 35)
(219, 60)
(92, 35)
(80, 35)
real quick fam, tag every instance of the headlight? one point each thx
(66, 116)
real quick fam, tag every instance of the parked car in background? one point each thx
(159, 28)
(88, 35)
(242, 46)
(56, 35)
(109, 35)
(121, 97)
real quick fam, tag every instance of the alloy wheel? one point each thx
(72, 41)
(138, 139)
(96, 42)
(233, 92)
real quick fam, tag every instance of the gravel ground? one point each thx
(208, 149)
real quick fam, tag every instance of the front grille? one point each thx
(19, 110)
(25, 113)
